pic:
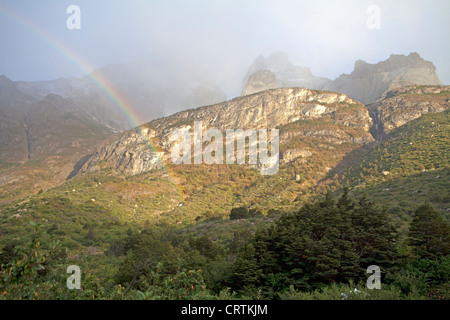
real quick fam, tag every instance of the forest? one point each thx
(319, 252)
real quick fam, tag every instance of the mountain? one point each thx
(152, 88)
(114, 201)
(49, 128)
(327, 116)
(13, 134)
(41, 140)
(323, 136)
(404, 104)
(369, 82)
(278, 72)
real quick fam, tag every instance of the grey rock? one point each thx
(369, 82)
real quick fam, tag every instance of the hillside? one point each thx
(404, 104)
(408, 168)
(121, 205)
(41, 140)
(317, 129)
(324, 137)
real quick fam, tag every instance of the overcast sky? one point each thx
(221, 36)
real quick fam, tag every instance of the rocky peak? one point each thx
(398, 61)
(10, 96)
(277, 71)
(259, 81)
(369, 82)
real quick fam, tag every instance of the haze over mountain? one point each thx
(277, 71)
(41, 140)
(366, 83)
(159, 87)
(369, 82)
(63, 122)
(153, 88)
(116, 124)
(56, 124)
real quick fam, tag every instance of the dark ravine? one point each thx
(28, 137)
(377, 128)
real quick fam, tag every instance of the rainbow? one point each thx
(111, 92)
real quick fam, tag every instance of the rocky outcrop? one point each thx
(294, 155)
(259, 81)
(131, 153)
(278, 72)
(404, 104)
(369, 82)
(140, 150)
(267, 109)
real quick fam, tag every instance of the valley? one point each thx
(110, 199)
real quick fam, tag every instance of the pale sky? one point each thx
(220, 36)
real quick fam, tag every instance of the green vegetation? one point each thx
(418, 146)
(320, 251)
(407, 169)
(226, 232)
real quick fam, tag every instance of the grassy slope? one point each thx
(110, 203)
(416, 156)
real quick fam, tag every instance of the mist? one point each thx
(218, 38)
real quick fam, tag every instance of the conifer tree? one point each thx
(429, 233)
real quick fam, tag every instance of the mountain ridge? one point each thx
(366, 83)
(263, 110)
(370, 82)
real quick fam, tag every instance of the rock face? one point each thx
(259, 81)
(331, 117)
(271, 108)
(278, 72)
(131, 154)
(404, 104)
(369, 82)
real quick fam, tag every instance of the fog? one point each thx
(218, 37)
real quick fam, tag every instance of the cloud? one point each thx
(225, 36)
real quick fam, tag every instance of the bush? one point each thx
(239, 213)
(349, 292)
